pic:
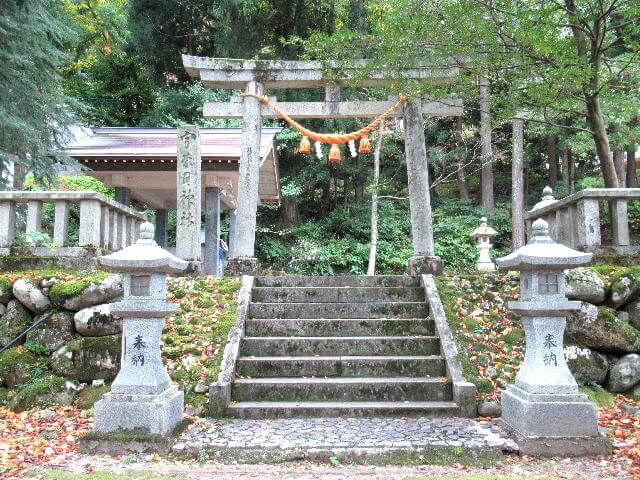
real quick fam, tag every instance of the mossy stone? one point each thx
(17, 366)
(89, 358)
(62, 291)
(90, 395)
(600, 329)
(15, 320)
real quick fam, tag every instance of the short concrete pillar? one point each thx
(424, 260)
(89, 230)
(113, 230)
(123, 195)
(122, 231)
(61, 224)
(34, 217)
(587, 224)
(7, 224)
(211, 229)
(142, 397)
(619, 222)
(189, 197)
(232, 232)
(132, 230)
(244, 261)
(545, 409)
(105, 227)
(162, 216)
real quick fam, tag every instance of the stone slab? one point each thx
(339, 310)
(540, 416)
(238, 266)
(425, 264)
(338, 281)
(338, 294)
(150, 414)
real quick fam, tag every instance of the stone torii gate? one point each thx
(255, 76)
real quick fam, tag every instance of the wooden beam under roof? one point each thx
(356, 109)
(231, 73)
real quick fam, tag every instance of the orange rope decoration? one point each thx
(331, 138)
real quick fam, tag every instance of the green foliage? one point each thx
(598, 395)
(34, 111)
(37, 393)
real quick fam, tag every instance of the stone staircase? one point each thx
(340, 346)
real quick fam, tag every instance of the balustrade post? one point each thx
(113, 230)
(61, 224)
(90, 217)
(587, 223)
(105, 227)
(619, 222)
(122, 231)
(132, 230)
(550, 218)
(7, 223)
(34, 217)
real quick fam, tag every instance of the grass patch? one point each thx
(490, 340)
(136, 475)
(598, 395)
(194, 338)
(36, 393)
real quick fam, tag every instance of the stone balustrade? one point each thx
(104, 223)
(575, 220)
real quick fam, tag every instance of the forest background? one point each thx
(566, 71)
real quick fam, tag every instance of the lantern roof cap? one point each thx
(483, 230)
(143, 256)
(542, 251)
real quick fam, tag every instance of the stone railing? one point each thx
(575, 220)
(104, 224)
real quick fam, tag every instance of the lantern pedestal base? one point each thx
(151, 414)
(553, 424)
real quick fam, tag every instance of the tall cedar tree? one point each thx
(34, 112)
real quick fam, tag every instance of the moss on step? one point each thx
(62, 291)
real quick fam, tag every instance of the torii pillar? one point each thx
(244, 261)
(424, 259)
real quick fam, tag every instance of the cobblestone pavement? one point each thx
(328, 433)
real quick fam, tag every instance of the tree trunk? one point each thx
(595, 119)
(566, 170)
(517, 189)
(632, 176)
(19, 174)
(618, 163)
(290, 211)
(371, 268)
(553, 162)
(488, 201)
(463, 187)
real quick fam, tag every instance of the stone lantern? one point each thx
(482, 236)
(142, 397)
(545, 408)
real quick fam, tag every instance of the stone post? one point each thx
(122, 231)
(545, 409)
(211, 229)
(34, 217)
(619, 222)
(89, 230)
(132, 230)
(113, 230)
(243, 260)
(188, 217)
(105, 227)
(61, 224)
(142, 398)
(587, 223)
(424, 259)
(161, 227)
(7, 224)
(232, 233)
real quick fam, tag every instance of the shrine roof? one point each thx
(159, 143)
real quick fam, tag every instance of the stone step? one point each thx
(338, 327)
(398, 389)
(339, 310)
(254, 410)
(337, 294)
(338, 281)
(332, 346)
(342, 366)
